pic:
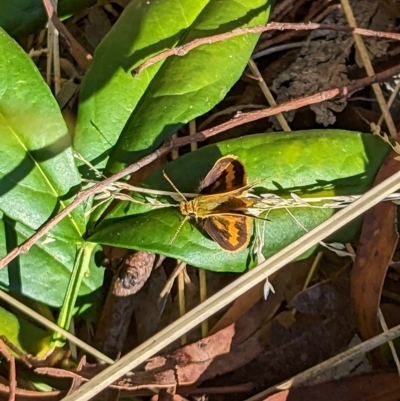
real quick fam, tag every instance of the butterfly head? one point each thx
(188, 209)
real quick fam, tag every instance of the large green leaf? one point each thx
(173, 91)
(38, 176)
(22, 17)
(43, 273)
(308, 163)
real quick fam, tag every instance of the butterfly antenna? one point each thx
(173, 186)
(179, 229)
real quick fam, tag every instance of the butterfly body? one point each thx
(204, 206)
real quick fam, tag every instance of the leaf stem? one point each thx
(80, 270)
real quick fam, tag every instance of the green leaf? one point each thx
(171, 92)
(44, 272)
(307, 163)
(38, 176)
(25, 336)
(22, 17)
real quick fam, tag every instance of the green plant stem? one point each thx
(81, 267)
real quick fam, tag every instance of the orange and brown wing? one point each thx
(227, 174)
(231, 232)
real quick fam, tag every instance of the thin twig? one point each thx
(80, 197)
(184, 49)
(82, 57)
(292, 105)
(181, 298)
(311, 16)
(382, 321)
(12, 371)
(267, 93)
(229, 110)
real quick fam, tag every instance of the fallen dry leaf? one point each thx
(377, 386)
(377, 244)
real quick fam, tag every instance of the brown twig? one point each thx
(21, 355)
(198, 137)
(291, 105)
(12, 373)
(82, 57)
(267, 42)
(82, 196)
(184, 49)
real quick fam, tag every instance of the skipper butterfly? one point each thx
(221, 207)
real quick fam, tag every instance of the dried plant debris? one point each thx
(131, 275)
(97, 25)
(323, 61)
